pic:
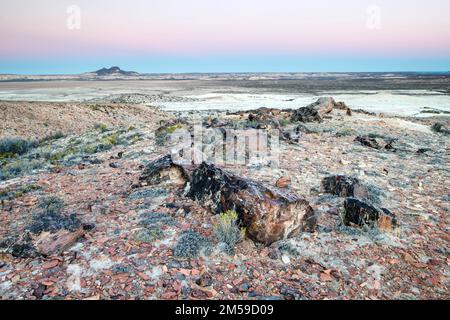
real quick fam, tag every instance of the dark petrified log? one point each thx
(344, 186)
(268, 213)
(360, 213)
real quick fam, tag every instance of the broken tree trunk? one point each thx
(268, 213)
(164, 172)
(360, 213)
(317, 110)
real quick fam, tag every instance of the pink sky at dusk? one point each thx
(204, 28)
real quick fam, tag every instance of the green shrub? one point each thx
(101, 127)
(162, 133)
(13, 194)
(190, 245)
(51, 137)
(228, 232)
(11, 147)
(51, 205)
(284, 122)
(439, 128)
(148, 235)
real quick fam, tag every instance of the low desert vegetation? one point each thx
(228, 232)
(190, 245)
(11, 147)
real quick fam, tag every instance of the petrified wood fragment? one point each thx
(164, 172)
(360, 213)
(344, 186)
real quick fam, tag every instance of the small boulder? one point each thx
(164, 172)
(360, 213)
(345, 186)
(283, 182)
(368, 142)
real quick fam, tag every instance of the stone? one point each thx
(344, 186)
(316, 111)
(283, 182)
(360, 213)
(49, 244)
(164, 172)
(368, 142)
(268, 213)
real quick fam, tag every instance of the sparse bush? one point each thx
(95, 107)
(17, 168)
(190, 245)
(439, 128)
(11, 147)
(148, 235)
(228, 232)
(284, 122)
(50, 218)
(51, 205)
(345, 132)
(163, 133)
(13, 194)
(153, 218)
(101, 127)
(54, 136)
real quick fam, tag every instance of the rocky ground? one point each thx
(84, 215)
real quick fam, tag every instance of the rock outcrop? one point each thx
(268, 213)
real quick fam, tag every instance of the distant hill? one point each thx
(114, 71)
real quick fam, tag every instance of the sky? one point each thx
(73, 36)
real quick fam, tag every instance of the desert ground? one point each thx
(94, 206)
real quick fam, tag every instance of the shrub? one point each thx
(228, 232)
(150, 219)
(284, 122)
(11, 147)
(17, 168)
(53, 136)
(162, 134)
(50, 218)
(439, 128)
(13, 194)
(101, 127)
(148, 235)
(51, 205)
(190, 245)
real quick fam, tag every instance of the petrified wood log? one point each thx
(316, 110)
(49, 244)
(345, 186)
(361, 214)
(268, 213)
(164, 172)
